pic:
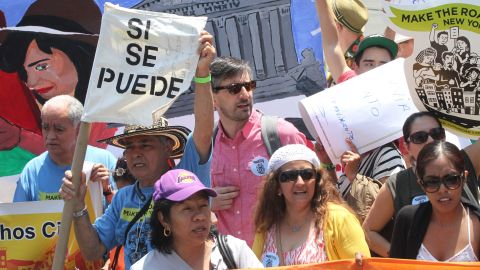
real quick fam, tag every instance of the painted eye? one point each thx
(41, 67)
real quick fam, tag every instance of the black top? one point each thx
(410, 228)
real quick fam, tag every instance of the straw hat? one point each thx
(352, 14)
(74, 19)
(160, 127)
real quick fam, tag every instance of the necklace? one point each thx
(297, 228)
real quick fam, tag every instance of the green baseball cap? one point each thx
(380, 41)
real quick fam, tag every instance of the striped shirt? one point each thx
(378, 163)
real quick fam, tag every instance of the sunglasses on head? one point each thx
(451, 181)
(292, 175)
(235, 88)
(420, 137)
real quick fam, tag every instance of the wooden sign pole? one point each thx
(77, 166)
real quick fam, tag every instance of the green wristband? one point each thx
(203, 79)
(329, 166)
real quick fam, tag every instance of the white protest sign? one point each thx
(144, 61)
(368, 109)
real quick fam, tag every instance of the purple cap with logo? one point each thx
(178, 185)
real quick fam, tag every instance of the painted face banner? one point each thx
(144, 60)
(443, 73)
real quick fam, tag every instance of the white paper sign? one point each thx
(370, 109)
(144, 60)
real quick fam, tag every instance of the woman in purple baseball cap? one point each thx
(181, 228)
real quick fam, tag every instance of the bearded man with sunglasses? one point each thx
(240, 158)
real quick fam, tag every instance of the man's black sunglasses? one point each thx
(432, 184)
(420, 137)
(292, 175)
(235, 88)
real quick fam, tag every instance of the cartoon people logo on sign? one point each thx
(443, 73)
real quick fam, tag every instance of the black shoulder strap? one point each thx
(270, 136)
(129, 226)
(215, 132)
(225, 251)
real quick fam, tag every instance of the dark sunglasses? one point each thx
(292, 175)
(422, 136)
(451, 181)
(235, 88)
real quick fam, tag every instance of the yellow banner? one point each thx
(29, 232)
(465, 16)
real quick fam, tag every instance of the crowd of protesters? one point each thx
(236, 200)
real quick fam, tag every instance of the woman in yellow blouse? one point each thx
(300, 217)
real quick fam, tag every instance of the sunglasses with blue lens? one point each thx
(235, 88)
(292, 175)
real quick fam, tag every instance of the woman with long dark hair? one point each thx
(441, 174)
(402, 189)
(300, 217)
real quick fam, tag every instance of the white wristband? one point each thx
(80, 213)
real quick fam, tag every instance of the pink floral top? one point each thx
(311, 251)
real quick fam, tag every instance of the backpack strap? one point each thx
(129, 226)
(215, 132)
(269, 130)
(270, 136)
(225, 251)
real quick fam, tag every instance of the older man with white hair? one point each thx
(42, 176)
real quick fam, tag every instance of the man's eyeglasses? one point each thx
(235, 88)
(432, 184)
(292, 175)
(422, 136)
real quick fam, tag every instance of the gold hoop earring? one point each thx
(166, 232)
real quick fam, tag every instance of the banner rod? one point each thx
(77, 166)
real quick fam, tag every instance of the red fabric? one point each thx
(100, 131)
(17, 103)
(347, 75)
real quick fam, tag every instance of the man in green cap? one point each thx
(372, 51)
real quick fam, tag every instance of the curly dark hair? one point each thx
(271, 208)
(14, 49)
